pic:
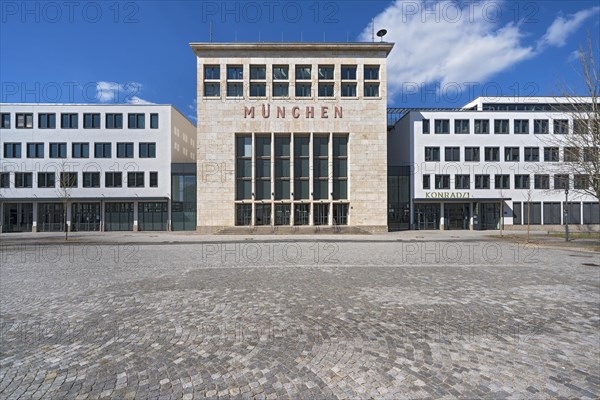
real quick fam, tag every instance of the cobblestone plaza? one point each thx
(345, 317)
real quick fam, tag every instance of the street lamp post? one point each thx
(566, 215)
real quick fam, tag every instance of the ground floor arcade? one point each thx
(79, 215)
(490, 214)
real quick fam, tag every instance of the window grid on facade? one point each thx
(282, 168)
(91, 179)
(35, 150)
(571, 154)
(113, 179)
(471, 153)
(551, 154)
(5, 120)
(4, 180)
(581, 181)
(461, 126)
(511, 154)
(244, 168)
(320, 167)
(426, 181)
(521, 126)
(80, 150)
(135, 179)
(425, 126)
(451, 153)
(114, 121)
(262, 170)
(258, 86)
(348, 72)
(340, 167)
(153, 181)
(301, 167)
(69, 121)
(91, 121)
(24, 120)
(23, 180)
(482, 126)
(540, 126)
(531, 154)
(502, 181)
(58, 150)
(521, 181)
(501, 126)
(68, 180)
(12, 150)
(124, 150)
(441, 126)
(492, 154)
(561, 126)
(541, 181)
(462, 181)
(46, 121)
(432, 154)
(561, 181)
(102, 150)
(442, 181)
(136, 121)
(147, 150)
(154, 121)
(482, 181)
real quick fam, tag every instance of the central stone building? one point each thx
(292, 134)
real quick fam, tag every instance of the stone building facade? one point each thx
(292, 135)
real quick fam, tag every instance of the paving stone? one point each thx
(176, 324)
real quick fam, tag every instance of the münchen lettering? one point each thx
(282, 112)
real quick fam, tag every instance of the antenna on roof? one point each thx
(373, 30)
(381, 33)
(210, 34)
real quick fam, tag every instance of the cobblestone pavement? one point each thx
(273, 318)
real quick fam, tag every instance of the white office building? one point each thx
(497, 160)
(112, 167)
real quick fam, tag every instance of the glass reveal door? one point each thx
(456, 216)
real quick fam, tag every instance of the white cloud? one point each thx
(138, 100)
(441, 43)
(562, 27)
(433, 46)
(114, 92)
(192, 116)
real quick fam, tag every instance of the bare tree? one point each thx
(67, 180)
(581, 143)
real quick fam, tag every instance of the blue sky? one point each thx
(445, 52)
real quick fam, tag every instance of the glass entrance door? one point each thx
(18, 217)
(489, 215)
(86, 216)
(427, 216)
(456, 216)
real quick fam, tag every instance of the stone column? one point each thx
(442, 219)
(135, 216)
(34, 218)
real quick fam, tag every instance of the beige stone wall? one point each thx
(184, 145)
(364, 120)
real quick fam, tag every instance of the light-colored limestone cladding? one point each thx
(317, 91)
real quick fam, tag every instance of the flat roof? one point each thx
(295, 46)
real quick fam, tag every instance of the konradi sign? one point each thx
(447, 195)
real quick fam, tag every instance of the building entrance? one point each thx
(86, 216)
(489, 215)
(427, 216)
(456, 216)
(18, 217)
(51, 217)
